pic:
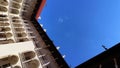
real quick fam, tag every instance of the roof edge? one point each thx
(40, 9)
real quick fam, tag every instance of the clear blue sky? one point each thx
(81, 27)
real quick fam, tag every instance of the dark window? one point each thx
(6, 65)
(118, 61)
(108, 64)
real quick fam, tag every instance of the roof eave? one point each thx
(40, 9)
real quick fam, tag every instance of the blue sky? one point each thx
(81, 27)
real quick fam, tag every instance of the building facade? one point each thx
(23, 42)
(108, 59)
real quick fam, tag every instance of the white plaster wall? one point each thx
(16, 48)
